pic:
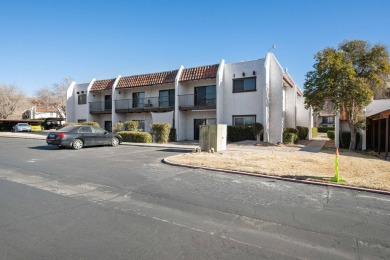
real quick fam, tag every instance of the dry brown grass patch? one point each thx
(357, 169)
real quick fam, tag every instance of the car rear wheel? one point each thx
(114, 141)
(77, 144)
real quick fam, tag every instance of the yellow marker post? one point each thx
(336, 177)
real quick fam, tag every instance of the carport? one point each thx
(378, 135)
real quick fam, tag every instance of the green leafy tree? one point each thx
(346, 78)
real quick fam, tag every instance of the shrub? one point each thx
(291, 130)
(325, 129)
(136, 137)
(117, 127)
(172, 135)
(314, 132)
(302, 132)
(330, 134)
(161, 132)
(237, 133)
(290, 138)
(131, 125)
(257, 130)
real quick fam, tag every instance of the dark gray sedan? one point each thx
(79, 136)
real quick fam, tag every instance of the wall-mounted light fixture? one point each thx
(119, 92)
(82, 92)
(78, 93)
(93, 95)
(243, 74)
(254, 73)
(234, 75)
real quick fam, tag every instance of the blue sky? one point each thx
(41, 42)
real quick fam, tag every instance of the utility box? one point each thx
(213, 136)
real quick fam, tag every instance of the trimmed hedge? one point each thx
(131, 125)
(237, 133)
(161, 132)
(330, 135)
(136, 137)
(314, 132)
(302, 132)
(345, 139)
(291, 130)
(290, 138)
(325, 129)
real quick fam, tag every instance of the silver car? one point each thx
(22, 127)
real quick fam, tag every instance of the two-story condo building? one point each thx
(225, 93)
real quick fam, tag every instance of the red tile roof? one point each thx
(288, 80)
(100, 85)
(204, 72)
(147, 79)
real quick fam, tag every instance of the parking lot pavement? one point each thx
(122, 202)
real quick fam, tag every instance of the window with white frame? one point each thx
(244, 120)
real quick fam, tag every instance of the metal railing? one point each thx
(144, 104)
(100, 107)
(197, 102)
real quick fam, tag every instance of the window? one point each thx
(205, 96)
(167, 98)
(82, 99)
(138, 99)
(98, 130)
(328, 120)
(244, 85)
(244, 120)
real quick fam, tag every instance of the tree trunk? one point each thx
(352, 144)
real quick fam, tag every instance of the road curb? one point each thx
(166, 161)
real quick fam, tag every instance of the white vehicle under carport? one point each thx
(21, 127)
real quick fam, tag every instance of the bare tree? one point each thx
(10, 98)
(54, 97)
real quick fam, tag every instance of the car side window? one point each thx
(85, 129)
(98, 130)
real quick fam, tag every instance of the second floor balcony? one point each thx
(197, 102)
(151, 104)
(100, 107)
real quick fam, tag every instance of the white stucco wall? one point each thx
(276, 114)
(243, 103)
(187, 122)
(74, 111)
(304, 116)
(290, 106)
(185, 119)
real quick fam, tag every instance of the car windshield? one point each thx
(68, 128)
(23, 124)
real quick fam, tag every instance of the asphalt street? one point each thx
(123, 203)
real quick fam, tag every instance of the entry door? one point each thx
(199, 122)
(108, 126)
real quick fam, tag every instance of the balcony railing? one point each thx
(151, 104)
(197, 102)
(100, 107)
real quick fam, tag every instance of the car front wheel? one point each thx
(114, 141)
(77, 144)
